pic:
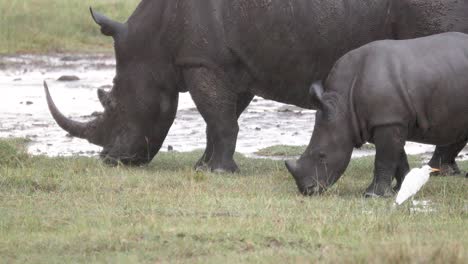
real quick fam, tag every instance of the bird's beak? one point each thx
(435, 170)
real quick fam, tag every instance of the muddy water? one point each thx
(24, 113)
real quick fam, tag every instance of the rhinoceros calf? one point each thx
(387, 92)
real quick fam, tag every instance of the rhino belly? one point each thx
(447, 120)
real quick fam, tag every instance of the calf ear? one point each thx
(316, 94)
(326, 102)
(109, 27)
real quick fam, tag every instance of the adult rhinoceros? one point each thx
(424, 87)
(226, 51)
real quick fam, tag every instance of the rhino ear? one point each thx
(326, 102)
(109, 27)
(316, 94)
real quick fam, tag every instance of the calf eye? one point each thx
(322, 157)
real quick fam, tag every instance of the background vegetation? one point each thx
(56, 210)
(46, 26)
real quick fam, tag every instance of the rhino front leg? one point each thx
(401, 171)
(243, 102)
(216, 101)
(205, 158)
(444, 158)
(389, 142)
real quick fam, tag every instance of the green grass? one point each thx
(281, 150)
(367, 146)
(289, 151)
(61, 210)
(45, 26)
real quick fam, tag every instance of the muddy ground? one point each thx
(24, 113)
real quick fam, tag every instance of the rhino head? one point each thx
(330, 147)
(142, 105)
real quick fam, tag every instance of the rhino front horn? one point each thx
(301, 182)
(77, 129)
(109, 27)
(291, 165)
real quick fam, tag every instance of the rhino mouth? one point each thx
(305, 184)
(128, 160)
(310, 190)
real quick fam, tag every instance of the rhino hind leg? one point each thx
(217, 103)
(389, 142)
(243, 102)
(444, 158)
(401, 171)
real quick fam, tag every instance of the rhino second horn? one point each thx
(76, 129)
(104, 98)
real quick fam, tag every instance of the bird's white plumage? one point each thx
(413, 182)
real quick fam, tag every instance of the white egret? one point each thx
(413, 182)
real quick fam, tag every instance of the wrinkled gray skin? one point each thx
(226, 51)
(387, 92)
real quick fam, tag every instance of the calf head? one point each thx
(330, 148)
(140, 108)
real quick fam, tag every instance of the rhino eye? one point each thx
(322, 157)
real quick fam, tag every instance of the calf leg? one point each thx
(401, 171)
(243, 102)
(444, 158)
(389, 142)
(217, 103)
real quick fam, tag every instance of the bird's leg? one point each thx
(401, 171)
(389, 142)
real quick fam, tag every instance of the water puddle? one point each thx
(24, 113)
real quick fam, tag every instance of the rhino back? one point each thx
(422, 83)
(287, 44)
(418, 18)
